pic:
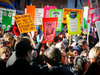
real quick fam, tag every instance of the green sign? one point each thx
(6, 20)
(57, 13)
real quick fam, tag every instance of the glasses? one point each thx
(71, 57)
(6, 52)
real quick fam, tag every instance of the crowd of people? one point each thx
(66, 55)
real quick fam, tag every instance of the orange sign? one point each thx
(25, 23)
(31, 10)
(67, 11)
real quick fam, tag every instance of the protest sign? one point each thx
(13, 11)
(98, 28)
(31, 10)
(73, 24)
(49, 28)
(57, 13)
(67, 11)
(38, 16)
(25, 23)
(47, 11)
(85, 15)
(6, 20)
(94, 10)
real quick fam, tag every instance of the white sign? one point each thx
(73, 24)
(14, 13)
(98, 28)
(38, 16)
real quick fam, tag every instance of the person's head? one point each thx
(83, 44)
(8, 37)
(60, 45)
(85, 53)
(24, 50)
(75, 52)
(34, 34)
(52, 56)
(4, 53)
(3, 43)
(70, 58)
(81, 64)
(60, 33)
(94, 52)
(94, 68)
(64, 57)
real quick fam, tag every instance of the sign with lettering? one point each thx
(6, 20)
(38, 16)
(66, 11)
(57, 13)
(25, 23)
(73, 25)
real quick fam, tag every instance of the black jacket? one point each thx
(59, 69)
(22, 67)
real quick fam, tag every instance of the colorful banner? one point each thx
(57, 13)
(67, 11)
(31, 10)
(49, 28)
(47, 11)
(6, 19)
(25, 23)
(14, 13)
(73, 25)
(94, 10)
(38, 16)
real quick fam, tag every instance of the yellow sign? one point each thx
(25, 23)
(66, 11)
(73, 25)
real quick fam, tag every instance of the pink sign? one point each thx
(47, 11)
(94, 10)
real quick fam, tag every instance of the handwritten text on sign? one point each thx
(25, 23)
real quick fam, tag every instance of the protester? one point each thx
(94, 68)
(52, 58)
(82, 46)
(80, 65)
(94, 52)
(70, 59)
(4, 56)
(24, 56)
(8, 37)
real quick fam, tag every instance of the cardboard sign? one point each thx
(31, 10)
(94, 10)
(98, 28)
(85, 16)
(57, 13)
(38, 16)
(73, 25)
(67, 11)
(25, 23)
(49, 28)
(47, 11)
(6, 19)
(14, 13)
